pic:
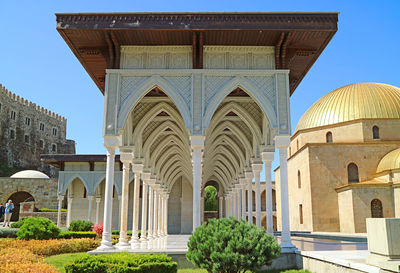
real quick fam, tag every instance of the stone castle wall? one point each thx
(28, 130)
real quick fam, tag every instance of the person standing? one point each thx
(8, 213)
(2, 210)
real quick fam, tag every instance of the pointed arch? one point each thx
(255, 93)
(149, 84)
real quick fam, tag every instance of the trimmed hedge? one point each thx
(8, 233)
(297, 271)
(76, 234)
(80, 225)
(50, 210)
(123, 263)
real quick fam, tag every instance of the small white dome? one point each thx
(29, 174)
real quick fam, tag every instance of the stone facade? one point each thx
(28, 130)
(321, 197)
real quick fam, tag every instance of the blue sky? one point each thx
(36, 63)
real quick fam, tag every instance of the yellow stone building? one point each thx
(344, 160)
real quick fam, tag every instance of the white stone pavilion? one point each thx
(190, 99)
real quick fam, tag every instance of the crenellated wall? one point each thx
(23, 138)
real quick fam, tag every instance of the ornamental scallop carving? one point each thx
(129, 85)
(183, 84)
(212, 85)
(267, 85)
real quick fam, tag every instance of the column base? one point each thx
(105, 246)
(143, 239)
(123, 245)
(288, 247)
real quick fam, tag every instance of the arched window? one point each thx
(297, 143)
(84, 192)
(376, 209)
(329, 138)
(298, 179)
(375, 132)
(352, 173)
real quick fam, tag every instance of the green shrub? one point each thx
(8, 233)
(229, 245)
(80, 225)
(76, 234)
(38, 228)
(19, 223)
(122, 263)
(51, 210)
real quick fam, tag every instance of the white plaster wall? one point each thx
(346, 211)
(397, 202)
(174, 207)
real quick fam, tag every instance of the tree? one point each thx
(210, 201)
(229, 245)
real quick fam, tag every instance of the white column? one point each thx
(202, 209)
(90, 200)
(151, 212)
(123, 236)
(162, 215)
(249, 178)
(226, 206)
(106, 242)
(98, 200)
(166, 215)
(221, 206)
(239, 204)
(267, 158)
(119, 211)
(143, 236)
(137, 170)
(257, 168)
(60, 199)
(282, 143)
(197, 144)
(155, 226)
(234, 203)
(159, 213)
(69, 209)
(244, 186)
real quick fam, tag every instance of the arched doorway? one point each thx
(211, 204)
(17, 198)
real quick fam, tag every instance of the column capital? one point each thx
(125, 156)
(60, 197)
(98, 199)
(248, 175)
(282, 141)
(137, 168)
(267, 156)
(90, 197)
(146, 176)
(243, 180)
(197, 142)
(257, 167)
(112, 141)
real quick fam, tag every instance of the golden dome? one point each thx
(352, 102)
(389, 162)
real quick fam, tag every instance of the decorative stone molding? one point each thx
(239, 57)
(156, 57)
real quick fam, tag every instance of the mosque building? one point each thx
(344, 160)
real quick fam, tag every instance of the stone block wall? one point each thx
(28, 130)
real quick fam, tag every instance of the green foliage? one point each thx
(122, 263)
(6, 171)
(80, 225)
(76, 234)
(210, 201)
(229, 245)
(50, 210)
(8, 233)
(19, 223)
(38, 228)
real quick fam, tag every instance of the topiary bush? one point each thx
(38, 228)
(122, 262)
(80, 225)
(19, 223)
(229, 245)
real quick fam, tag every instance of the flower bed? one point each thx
(27, 256)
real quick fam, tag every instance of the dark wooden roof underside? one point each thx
(299, 38)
